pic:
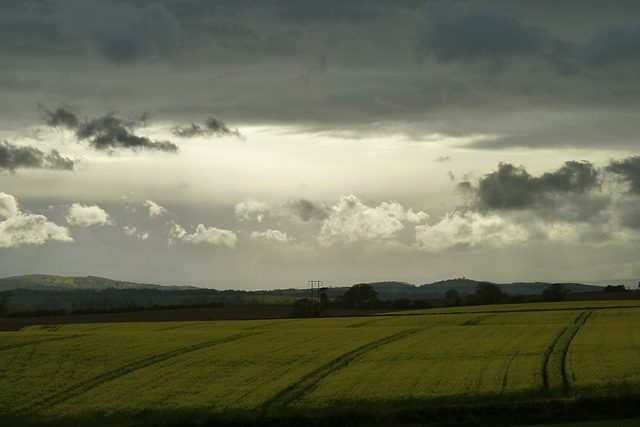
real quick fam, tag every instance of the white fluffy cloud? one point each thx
(21, 228)
(351, 220)
(86, 216)
(470, 229)
(8, 206)
(154, 208)
(294, 210)
(250, 210)
(577, 204)
(204, 235)
(481, 230)
(272, 236)
(132, 231)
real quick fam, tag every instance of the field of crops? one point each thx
(414, 363)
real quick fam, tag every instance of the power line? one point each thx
(317, 284)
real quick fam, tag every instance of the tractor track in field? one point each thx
(580, 320)
(365, 323)
(34, 342)
(555, 358)
(547, 358)
(476, 320)
(309, 381)
(95, 381)
(268, 324)
(506, 369)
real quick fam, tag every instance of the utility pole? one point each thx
(318, 284)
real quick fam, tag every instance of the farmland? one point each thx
(511, 363)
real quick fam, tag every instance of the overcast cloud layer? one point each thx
(242, 144)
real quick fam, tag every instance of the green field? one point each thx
(512, 364)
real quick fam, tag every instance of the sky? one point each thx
(239, 144)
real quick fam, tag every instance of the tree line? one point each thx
(364, 296)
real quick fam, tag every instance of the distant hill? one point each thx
(389, 290)
(36, 292)
(60, 283)
(463, 285)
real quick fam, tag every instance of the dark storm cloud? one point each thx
(112, 132)
(307, 211)
(458, 31)
(341, 63)
(63, 116)
(212, 127)
(572, 177)
(305, 11)
(26, 26)
(105, 133)
(628, 214)
(121, 32)
(629, 170)
(512, 187)
(297, 11)
(13, 157)
(614, 45)
(188, 131)
(467, 31)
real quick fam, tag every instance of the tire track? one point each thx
(365, 323)
(555, 380)
(268, 324)
(93, 382)
(307, 382)
(182, 325)
(547, 358)
(508, 367)
(580, 320)
(34, 342)
(505, 378)
(476, 320)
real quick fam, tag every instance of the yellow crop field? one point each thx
(256, 370)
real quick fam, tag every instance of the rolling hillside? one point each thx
(62, 283)
(386, 290)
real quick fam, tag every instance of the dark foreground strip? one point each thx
(380, 413)
(309, 381)
(83, 387)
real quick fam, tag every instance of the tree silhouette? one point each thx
(489, 293)
(307, 307)
(361, 295)
(323, 296)
(452, 294)
(555, 292)
(4, 302)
